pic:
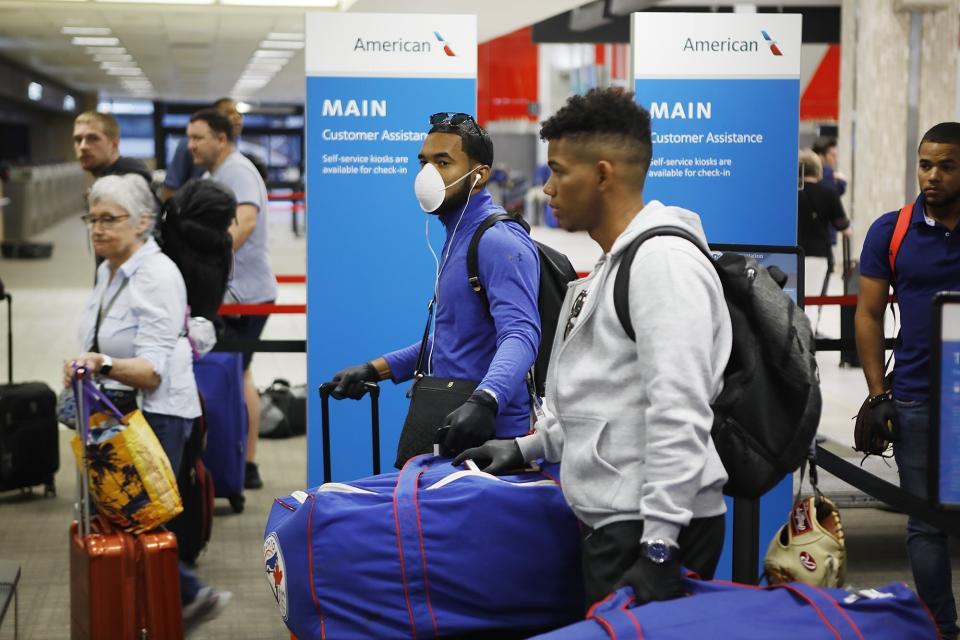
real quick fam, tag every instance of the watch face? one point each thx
(658, 551)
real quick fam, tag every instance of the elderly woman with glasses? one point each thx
(132, 335)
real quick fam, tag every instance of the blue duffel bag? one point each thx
(431, 551)
(722, 610)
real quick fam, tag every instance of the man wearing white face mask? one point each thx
(494, 344)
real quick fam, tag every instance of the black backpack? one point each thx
(767, 415)
(555, 272)
(193, 233)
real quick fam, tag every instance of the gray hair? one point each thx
(131, 193)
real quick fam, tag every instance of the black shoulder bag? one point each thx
(431, 399)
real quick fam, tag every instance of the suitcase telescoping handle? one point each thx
(9, 300)
(325, 390)
(83, 427)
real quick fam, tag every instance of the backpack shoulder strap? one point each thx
(621, 284)
(473, 258)
(899, 231)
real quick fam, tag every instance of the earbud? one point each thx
(476, 179)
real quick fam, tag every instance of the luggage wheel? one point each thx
(237, 503)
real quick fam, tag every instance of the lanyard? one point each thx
(102, 311)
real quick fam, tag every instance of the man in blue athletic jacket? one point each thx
(495, 347)
(928, 261)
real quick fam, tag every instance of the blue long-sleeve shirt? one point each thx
(496, 348)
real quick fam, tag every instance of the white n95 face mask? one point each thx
(430, 189)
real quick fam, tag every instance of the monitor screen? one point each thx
(788, 259)
(945, 410)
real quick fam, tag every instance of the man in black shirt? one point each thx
(96, 142)
(818, 209)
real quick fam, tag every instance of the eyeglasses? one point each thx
(106, 221)
(574, 312)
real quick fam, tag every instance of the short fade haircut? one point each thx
(217, 122)
(131, 193)
(943, 133)
(108, 124)
(474, 139)
(809, 164)
(610, 116)
(824, 144)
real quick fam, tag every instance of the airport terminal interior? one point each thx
(873, 75)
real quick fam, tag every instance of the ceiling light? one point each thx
(281, 44)
(85, 31)
(112, 57)
(270, 53)
(113, 50)
(35, 91)
(279, 35)
(69, 103)
(158, 1)
(118, 64)
(320, 4)
(243, 107)
(125, 72)
(256, 66)
(90, 41)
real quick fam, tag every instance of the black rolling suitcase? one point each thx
(325, 390)
(29, 446)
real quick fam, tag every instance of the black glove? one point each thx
(350, 381)
(885, 418)
(471, 424)
(652, 581)
(495, 456)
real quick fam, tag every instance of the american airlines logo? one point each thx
(401, 45)
(774, 49)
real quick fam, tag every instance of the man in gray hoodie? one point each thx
(630, 422)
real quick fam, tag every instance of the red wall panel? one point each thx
(507, 77)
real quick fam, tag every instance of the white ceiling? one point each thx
(197, 53)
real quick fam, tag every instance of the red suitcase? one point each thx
(122, 586)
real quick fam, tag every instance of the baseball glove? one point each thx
(810, 547)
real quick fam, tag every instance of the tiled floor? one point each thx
(33, 530)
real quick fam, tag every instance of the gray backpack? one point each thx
(766, 417)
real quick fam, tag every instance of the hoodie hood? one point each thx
(656, 214)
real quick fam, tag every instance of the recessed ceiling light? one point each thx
(319, 4)
(35, 91)
(281, 44)
(112, 57)
(260, 66)
(98, 50)
(281, 35)
(125, 72)
(271, 53)
(91, 41)
(69, 103)
(158, 1)
(85, 31)
(118, 64)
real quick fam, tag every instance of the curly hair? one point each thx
(610, 116)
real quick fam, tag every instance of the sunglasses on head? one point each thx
(454, 119)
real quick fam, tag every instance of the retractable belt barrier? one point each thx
(271, 346)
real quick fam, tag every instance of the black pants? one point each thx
(609, 551)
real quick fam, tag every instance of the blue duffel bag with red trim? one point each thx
(432, 551)
(722, 610)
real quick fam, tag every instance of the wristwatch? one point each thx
(107, 365)
(657, 551)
